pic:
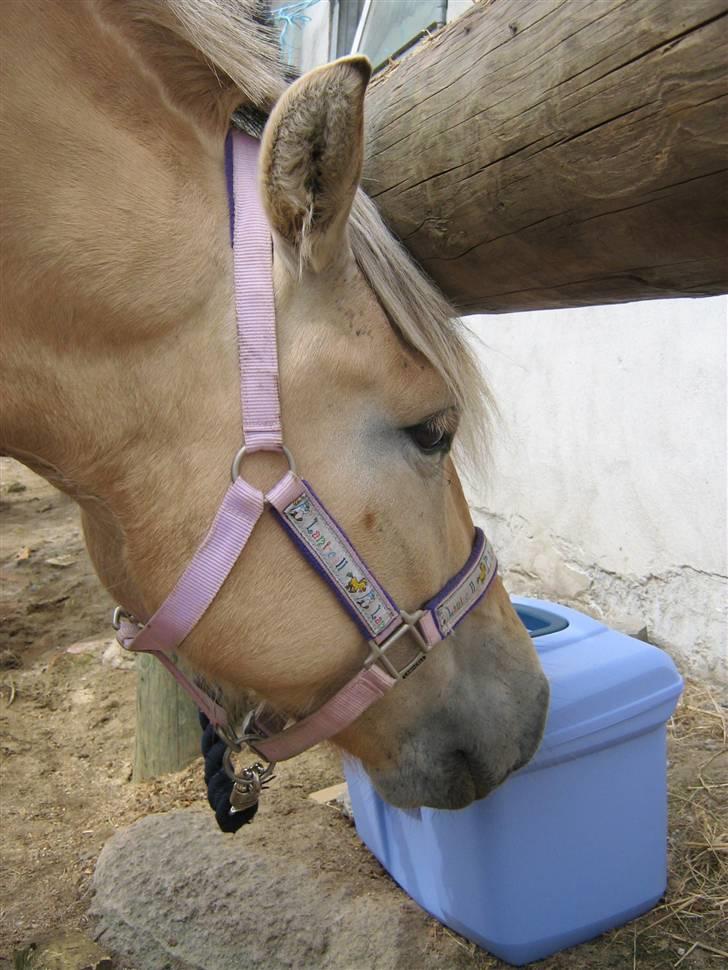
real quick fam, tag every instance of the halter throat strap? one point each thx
(304, 518)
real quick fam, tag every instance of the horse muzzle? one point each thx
(462, 751)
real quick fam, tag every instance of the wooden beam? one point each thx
(557, 153)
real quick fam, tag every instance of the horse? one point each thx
(120, 385)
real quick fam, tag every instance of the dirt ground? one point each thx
(67, 732)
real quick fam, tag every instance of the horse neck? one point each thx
(116, 276)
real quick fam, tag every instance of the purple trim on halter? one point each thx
(446, 616)
(312, 561)
(361, 559)
(319, 537)
(475, 554)
(229, 182)
(388, 631)
(481, 593)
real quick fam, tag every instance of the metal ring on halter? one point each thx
(235, 467)
(263, 772)
(119, 614)
(247, 735)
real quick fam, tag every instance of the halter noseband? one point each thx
(306, 521)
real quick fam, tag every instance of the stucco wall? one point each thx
(607, 488)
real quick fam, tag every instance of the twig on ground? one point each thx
(686, 954)
(10, 684)
(703, 946)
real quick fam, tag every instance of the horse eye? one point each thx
(429, 437)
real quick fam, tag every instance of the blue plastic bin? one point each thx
(576, 842)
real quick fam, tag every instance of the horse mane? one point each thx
(425, 320)
(236, 38)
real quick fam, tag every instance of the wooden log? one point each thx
(167, 728)
(557, 153)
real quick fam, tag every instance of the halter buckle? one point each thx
(378, 651)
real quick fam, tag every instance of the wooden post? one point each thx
(552, 154)
(167, 728)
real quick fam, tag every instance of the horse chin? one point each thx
(452, 784)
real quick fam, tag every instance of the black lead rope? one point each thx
(219, 785)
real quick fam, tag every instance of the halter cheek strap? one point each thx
(305, 520)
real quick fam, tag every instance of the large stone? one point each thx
(173, 892)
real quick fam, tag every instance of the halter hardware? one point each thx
(378, 651)
(248, 783)
(241, 452)
(252, 731)
(118, 616)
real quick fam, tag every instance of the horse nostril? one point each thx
(484, 777)
(463, 762)
(460, 757)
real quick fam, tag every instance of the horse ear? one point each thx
(311, 160)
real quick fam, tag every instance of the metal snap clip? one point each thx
(248, 783)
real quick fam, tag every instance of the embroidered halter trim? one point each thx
(303, 516)
(325, 545)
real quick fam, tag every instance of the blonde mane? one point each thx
(425, 320)
(234, 39)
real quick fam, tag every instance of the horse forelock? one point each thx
(425, 320)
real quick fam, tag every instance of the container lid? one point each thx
(605, 686)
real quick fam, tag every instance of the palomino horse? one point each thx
(119, 369)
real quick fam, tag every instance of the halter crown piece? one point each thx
(306, 521)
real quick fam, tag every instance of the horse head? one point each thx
(122, 383)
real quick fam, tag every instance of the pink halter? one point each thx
(305, 520)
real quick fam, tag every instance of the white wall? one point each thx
(608, 484)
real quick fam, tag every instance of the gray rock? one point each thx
(173, 892)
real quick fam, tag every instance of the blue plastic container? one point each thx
(576, 842)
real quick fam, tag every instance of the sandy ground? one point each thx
(66, 742)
